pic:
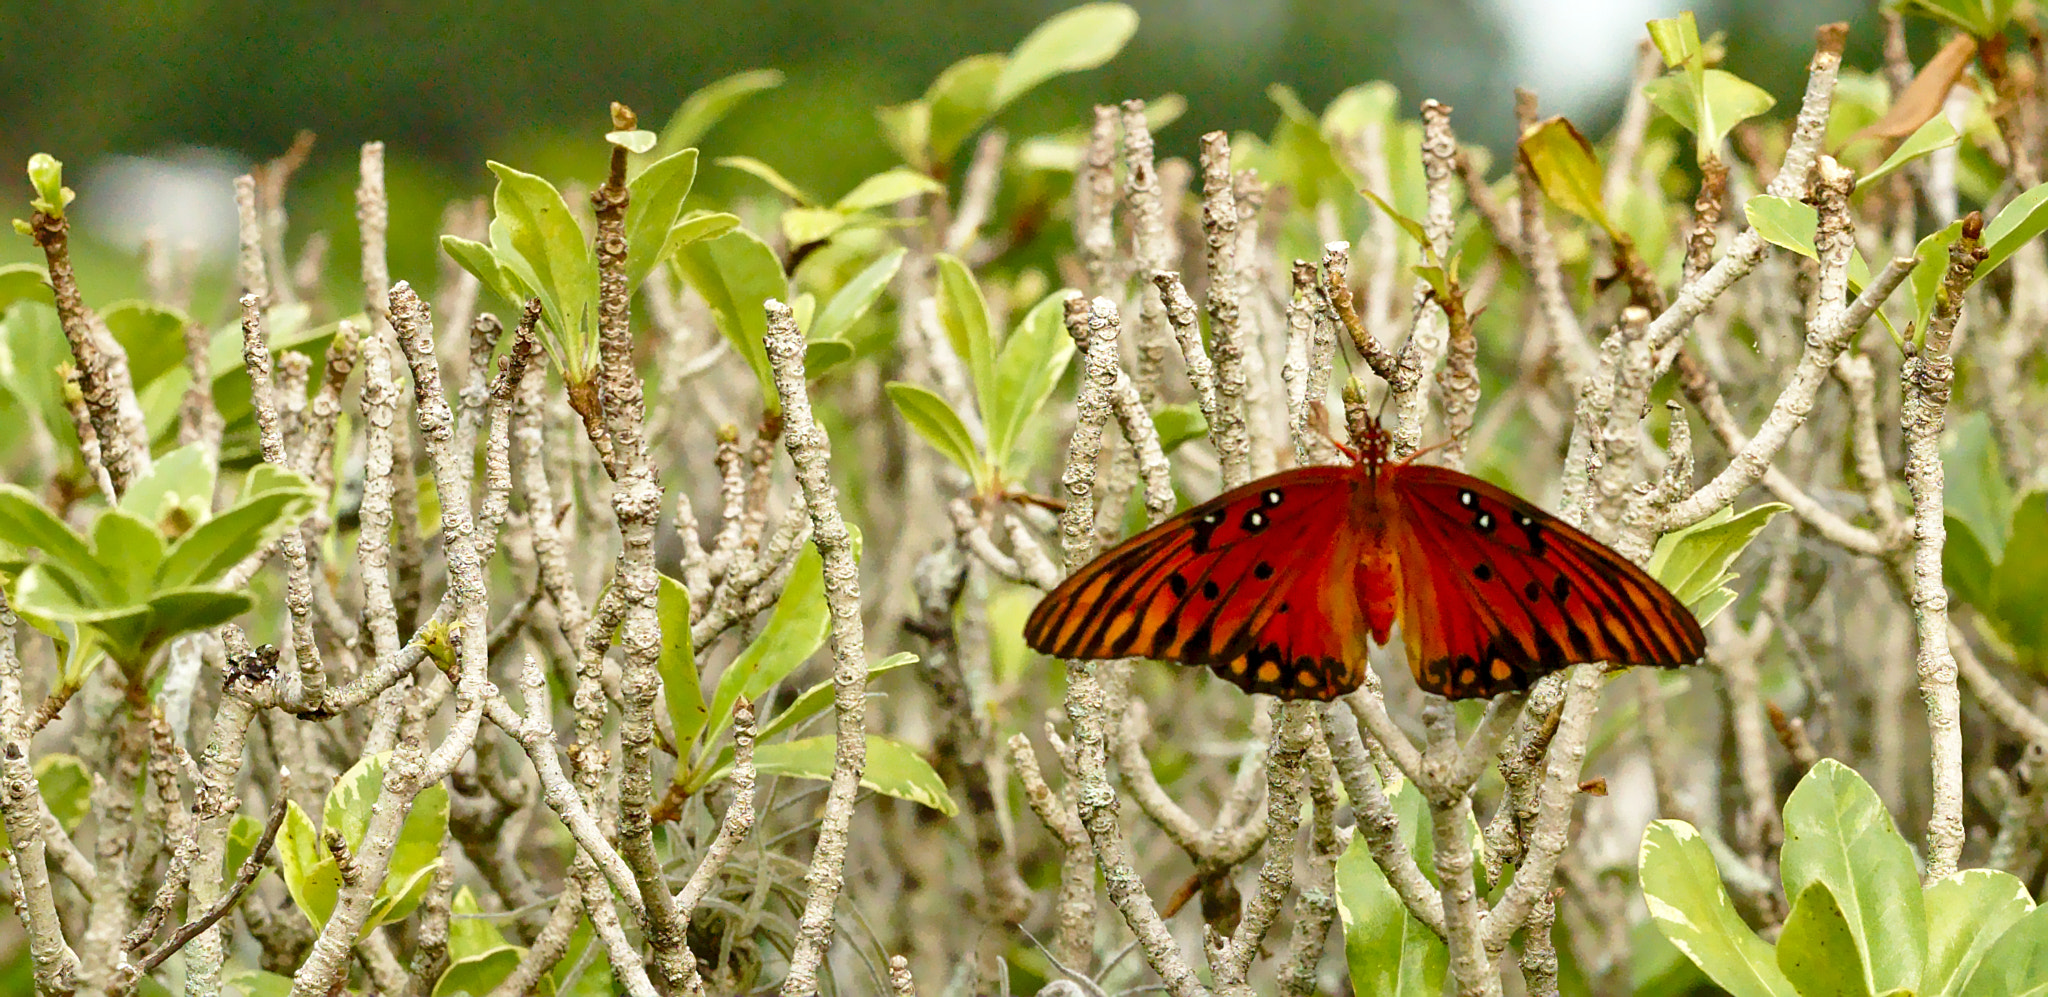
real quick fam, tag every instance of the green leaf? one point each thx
(709, 104)
(636, 140)
(888, 187)
(25, 282)
(1409, 225)
(218, 544)
(957, 103)
(825, 355)
(152, 335)
(1082, 38)
(1838, 833)
(657, 195)
(965, 316)
(1784, 222)
(1817, 952)
(25, 523)
(482, 261)
(698, 225)
(1178, 423)
(1965, 564)
(1689, 905)
(1566, 169)
(243, 833)
(479, 974)
(1937, 133)
(1389, 952)
(736, 274)
(415, 855)
(769, 175)
(794, 632)
(469, 935)
(536, 237)
(1925, 280)
(1677, 39)
(179, 485)
(1975, 489)
(2017, 964)
(2017, 224)
(66, 787)
(46, 174)
(1967, 912)
(681, 689)
(1030, 365)
(803, 226)
(1709, 103)
(1982, 18)
(1694, 562)
(130, 550)
(310, 875)
(815, 699)
(936, 421)
(853, 301)
(907, 127)
(2021, 577)
(893, 768)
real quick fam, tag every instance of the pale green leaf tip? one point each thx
(638, 140)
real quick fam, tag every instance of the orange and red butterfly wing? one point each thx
(1498, 593)
(1254, 583)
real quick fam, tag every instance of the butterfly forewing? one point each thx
(1499, 593)
(1247, 583)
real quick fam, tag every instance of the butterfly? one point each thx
(1281, 586)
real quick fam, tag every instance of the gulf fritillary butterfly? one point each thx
(1279, 585)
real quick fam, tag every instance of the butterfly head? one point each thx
(1374, 446)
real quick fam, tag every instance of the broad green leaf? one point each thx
(1975, 490)
(25, 523)
(886, 188)
(1389, 953)
(965, 315)
(152, 335)
(1694, 562)
(2017, 964)
(1817, 952)
(1925, 280)
(482, 262)
(417, 851)
(33, 346)
(243, 833)
(1030, 365)
(853, 301)
(1689, 905)
(129, 549)
(2021, 577)
(769, 175)
(218, 544)
(1566, 169)
(1722, 99)
(681, 688)
(794, 632)
(310, 875)
(803, 226)
(657, 196)
(542, 243)
(1784, 222)
(25, 282)
(825, 355)
(66, 786)
(1967, 912)
(1837, 832)
(1965, 564)
(1082, 38)
(177, 490)
(1982, 18)
(1178, 423)
(710, 103)
(893, 768)
(957, 102)
(179, 611)
(635, 140)
(907, 128)
(815, 699)
(698, 225)
(1937, 133)
(936, 421)
(2017, 224)
(1677, 39)
(477, 975)
(469, 935)
(737, 274)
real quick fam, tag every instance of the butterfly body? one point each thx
(1282, 586)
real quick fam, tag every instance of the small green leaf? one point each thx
(1389, 952)
(310, 875)
(478, 974)
(1925, 280)
(152, 335)
(1677, 39)
(1409, 225)
(2021, 577)
(815, 699)
(681, 688)
(893, 768)
(853, 301)
(66, 787)
(536, 237)
(482, 262)
(1030, 365)
(1817, 952)
(1784, 222)
(25, 523)
(1967, 912)
(698, 225)
(469, 935)
(47, 175)
(957, 103)
(1975, 489)
(940, 426)
(128, 548)
(638, 140)
(1566, 169)
(1082, 38)
(24, 282)
(1721, 101)
(769, 175)
(1178, 423)
(1966, 565)
(886, 188)
(1984, 19)
(2017, 964)
(1694, 562)
(657, 195)
(823, 356)
(218, 544)
(2018, 223)
(179, 484)
(907, 128)
(965, 315)
(1689, 905)
(1837, 832)
(803, 226)
(1937, 133)
(711, 103)
(737, 274)
(794, 632)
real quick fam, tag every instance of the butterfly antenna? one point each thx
(1319, 421)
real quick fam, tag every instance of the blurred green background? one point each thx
(210, 87)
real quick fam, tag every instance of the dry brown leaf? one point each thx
(1922, 98)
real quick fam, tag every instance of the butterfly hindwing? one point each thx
(1498, 593)
(1245, 583)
